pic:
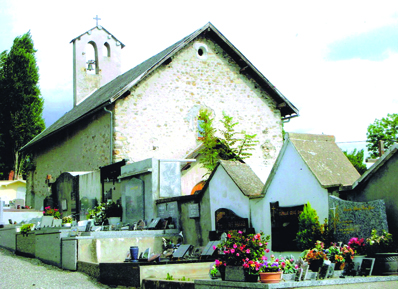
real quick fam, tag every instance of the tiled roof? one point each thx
(325, 159)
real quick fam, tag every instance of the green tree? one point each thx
(233, 145)
(21, 105)
(310, 229)
(357, 160)
(386, 130)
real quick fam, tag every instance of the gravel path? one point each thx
(21, 272)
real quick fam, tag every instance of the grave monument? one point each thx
(356, 219)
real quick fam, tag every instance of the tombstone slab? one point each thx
(356, 219)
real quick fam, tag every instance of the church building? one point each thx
(151, 111)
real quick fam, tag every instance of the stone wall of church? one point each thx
(159, 118)
(81, 147)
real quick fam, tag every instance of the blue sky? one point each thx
(335, 61)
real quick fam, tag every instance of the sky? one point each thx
(336, 61)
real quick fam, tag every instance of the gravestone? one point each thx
(210, 248)
(284, 226)
(227, 220)
(133, 200)
(169, 210)
(193, 211)
(170, 179)
(356, 219)
(367, 267)
(19, 203)
(182, 250)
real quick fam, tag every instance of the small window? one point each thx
(107, 50)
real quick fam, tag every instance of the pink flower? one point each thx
(296, 267)
(260, 244)
(265, 258)
(214, 247)
(267, 250)
(235, 246)
(232, 251)
(237, 254)
(239, 232)
(248, 251)
(283, 264)
(217, 262)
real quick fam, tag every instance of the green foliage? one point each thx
(21, 106)
(26, 228)
(310, 229)
(169, 277)
(386, 130)
(233, 146)
(357, 160)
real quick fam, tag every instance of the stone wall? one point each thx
(82, 147)
(159, 118)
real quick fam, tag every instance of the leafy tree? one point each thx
(234, 146)
(357, 160)
(386, 130)
(21, 106)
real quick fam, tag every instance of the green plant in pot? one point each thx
(381, 247)
(113, 210)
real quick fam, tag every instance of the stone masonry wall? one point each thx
(83, 147)
(159, 118)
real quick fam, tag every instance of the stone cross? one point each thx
(96, 18)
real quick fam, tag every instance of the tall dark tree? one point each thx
(385, 129)
(21, 105)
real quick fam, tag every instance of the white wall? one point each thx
(293, 184)
(225, 194)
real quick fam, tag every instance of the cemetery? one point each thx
(196, 240)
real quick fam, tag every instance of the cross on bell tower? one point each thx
(96, 18)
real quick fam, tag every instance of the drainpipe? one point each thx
(111, 136)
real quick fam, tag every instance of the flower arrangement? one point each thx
(97, 213)
(334, 253)
(379, 244)
(67, 219)
(270, 265)
(348, 253)
(317, 253)
(288, 265)
(52, 212)
(242, 250)
(214, 271)
(358, 245)
(26, 228)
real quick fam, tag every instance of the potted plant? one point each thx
(315, 256)
(67, 221)
(381, 248)
(240, 251)
(49, 215)
(336, 255)
(97, 214)
(270, 270)
(113, 212)
(289, 268)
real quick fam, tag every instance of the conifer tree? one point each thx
(21, 106)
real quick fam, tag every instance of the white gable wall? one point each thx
(293, 184)
(224, 193)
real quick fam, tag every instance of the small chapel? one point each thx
(151, 111)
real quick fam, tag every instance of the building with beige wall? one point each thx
(151, 111)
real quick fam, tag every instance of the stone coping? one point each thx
(217, 283)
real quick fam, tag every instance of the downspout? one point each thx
(111, 136)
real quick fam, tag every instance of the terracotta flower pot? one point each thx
(270, 277)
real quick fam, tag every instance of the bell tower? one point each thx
(96, 61)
